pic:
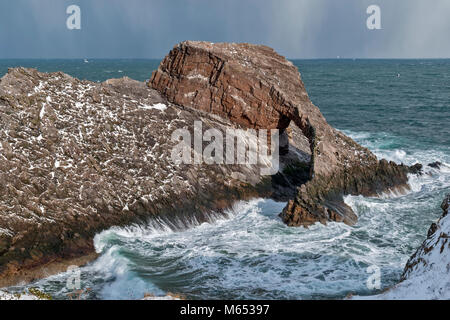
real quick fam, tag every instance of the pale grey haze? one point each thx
(295, 28)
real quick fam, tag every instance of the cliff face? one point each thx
(255, 87)
(428, 270)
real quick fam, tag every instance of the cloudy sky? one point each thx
(295, 28)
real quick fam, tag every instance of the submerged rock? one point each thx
(435, 165)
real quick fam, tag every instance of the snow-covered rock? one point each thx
(78, 157)
(427, 273)
(31, 295)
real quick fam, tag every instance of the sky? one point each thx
(295, 28)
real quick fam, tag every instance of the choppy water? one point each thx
(96, 70)
(400, 109)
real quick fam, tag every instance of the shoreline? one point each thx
(58, 265)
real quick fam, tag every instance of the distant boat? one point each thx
(86, 61)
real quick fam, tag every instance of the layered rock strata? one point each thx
(77, 157)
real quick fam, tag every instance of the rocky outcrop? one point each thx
(321, 199)
(435, 250)
(255, 87)
(426, 274)
(77, 157)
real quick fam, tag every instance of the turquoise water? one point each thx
(400, 109)
(405, 99)
(96, 70)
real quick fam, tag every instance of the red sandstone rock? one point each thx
(255, 87)
(77, 157)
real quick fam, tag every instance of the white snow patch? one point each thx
(198, 76)
(6, 232)
(158, 106)
(42, 113)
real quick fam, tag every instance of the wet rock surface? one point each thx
(321, 199)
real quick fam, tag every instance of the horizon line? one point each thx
(335, 58)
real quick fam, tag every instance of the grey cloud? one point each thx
(295, 28)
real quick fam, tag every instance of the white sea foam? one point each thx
(252, 251)
(381, 145)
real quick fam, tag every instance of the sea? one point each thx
(399, 109)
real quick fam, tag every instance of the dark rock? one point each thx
(416, 168)
(436, 165)
(445, 204)
(432, 229)
(321, 199)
